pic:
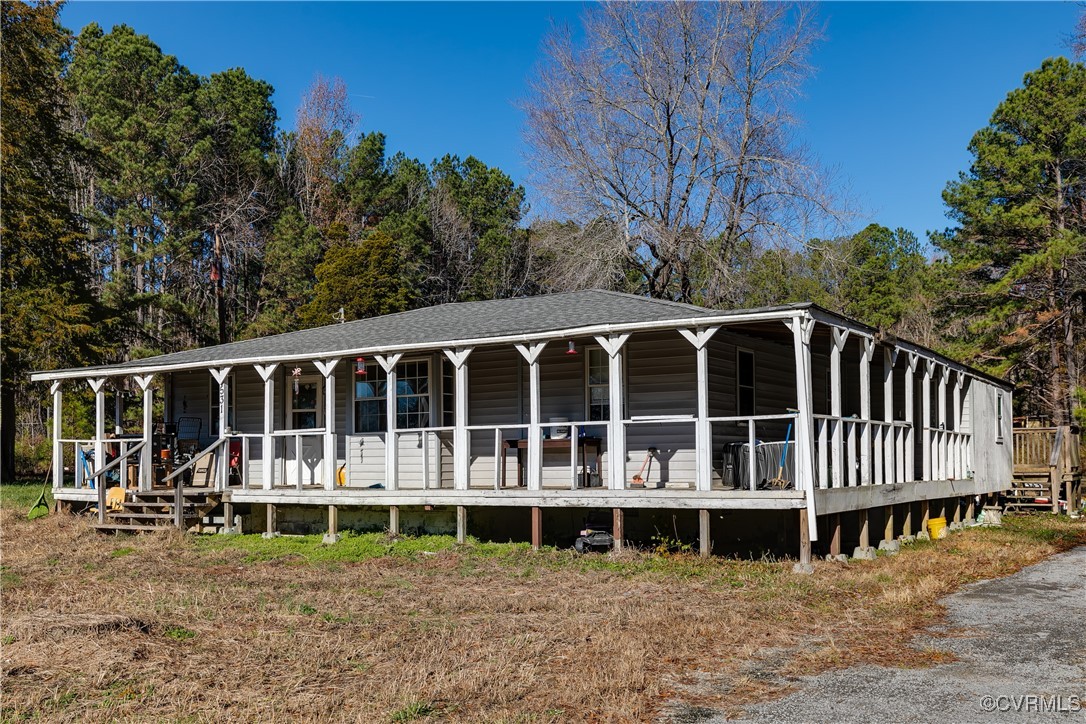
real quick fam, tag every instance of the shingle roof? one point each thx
(445, 323)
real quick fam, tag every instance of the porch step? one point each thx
(156, 511)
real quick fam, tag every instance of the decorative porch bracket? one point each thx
(388, 364)
(327, 368)
(267, 449)
(802, 327)
(616, 434)
(98, 384)
(530, 353)
(221, 375)
(144, 382)
(461, 442)
(703, 433)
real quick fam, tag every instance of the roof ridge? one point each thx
(654, 300)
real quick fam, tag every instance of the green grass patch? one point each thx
(122, 552)
(179, 633)
(21, 494)
(412, 712)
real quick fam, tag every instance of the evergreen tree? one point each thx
(49, 317)
(1018, 254)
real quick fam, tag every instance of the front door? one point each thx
(305, 411)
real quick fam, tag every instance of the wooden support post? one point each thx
(327, 368)
(970, 513)
(178, 504)
(537, 527)
(222, 454)
(228, 517)
(58, 434)
(867, 352)
(925, 515)
(802, 327)
(98, 386)
(835, 534)
(940, 454)
(619, 528)
(837, 455)
(804, 539)
(267, 443)
(888, 529)
(865, 533)
(957, 503)
(925, 419)
(530, 353)
(910, 417)
(461, 435)
(461, 524)
(705, 541)
(388, 364)
(703, 431)
(393, 520)
(333, 521)
(270, 526)
(889, 440)
(616, 432)
(907, 520)
(146, 461)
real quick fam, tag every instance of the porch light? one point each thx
(572, 348)
(360, 366)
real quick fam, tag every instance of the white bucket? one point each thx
(559, 431)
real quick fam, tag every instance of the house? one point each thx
(581, 400)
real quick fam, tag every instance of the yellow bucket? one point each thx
(937, 528)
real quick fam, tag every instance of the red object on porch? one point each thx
(360, 366)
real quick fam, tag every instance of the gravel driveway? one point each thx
(1025, 661)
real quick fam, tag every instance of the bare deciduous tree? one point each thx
(669, 128)
(324, 124)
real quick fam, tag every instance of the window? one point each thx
(214, 398)
(305, 402)
(598, 377)
(744, 383)
(369, 399)
(412, 397)
(448, 393)
(999, 416)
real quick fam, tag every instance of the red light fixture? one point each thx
(360, 366)
(572, 348)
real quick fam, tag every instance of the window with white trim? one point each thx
(745, 402)
(597, 384)
(412, 397)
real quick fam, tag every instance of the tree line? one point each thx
(147, 209)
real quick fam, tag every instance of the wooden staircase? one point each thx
(155, 510)
(1047, 467)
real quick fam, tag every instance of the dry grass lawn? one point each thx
(167, 627)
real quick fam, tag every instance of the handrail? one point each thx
(117, 460)
(195, 458)
(1057, 448)
(754, 418)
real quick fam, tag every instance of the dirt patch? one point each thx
(244, 629)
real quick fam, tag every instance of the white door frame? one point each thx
(312, 447)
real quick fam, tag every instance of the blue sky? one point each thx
(900, 87)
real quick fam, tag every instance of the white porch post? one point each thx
(388, 364)
(222, 456)
(703, 433)
(461, 439)
(910, 417)
(328, 369)
(802, 328)
(867, 352)
(267, 449)
(616, 433)
(530, 353)
(889, 359)
(98, 384)
(959, 469)
(942, 466)
(925, 418)
(144, 382)
(58, 433)
(840, 336)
